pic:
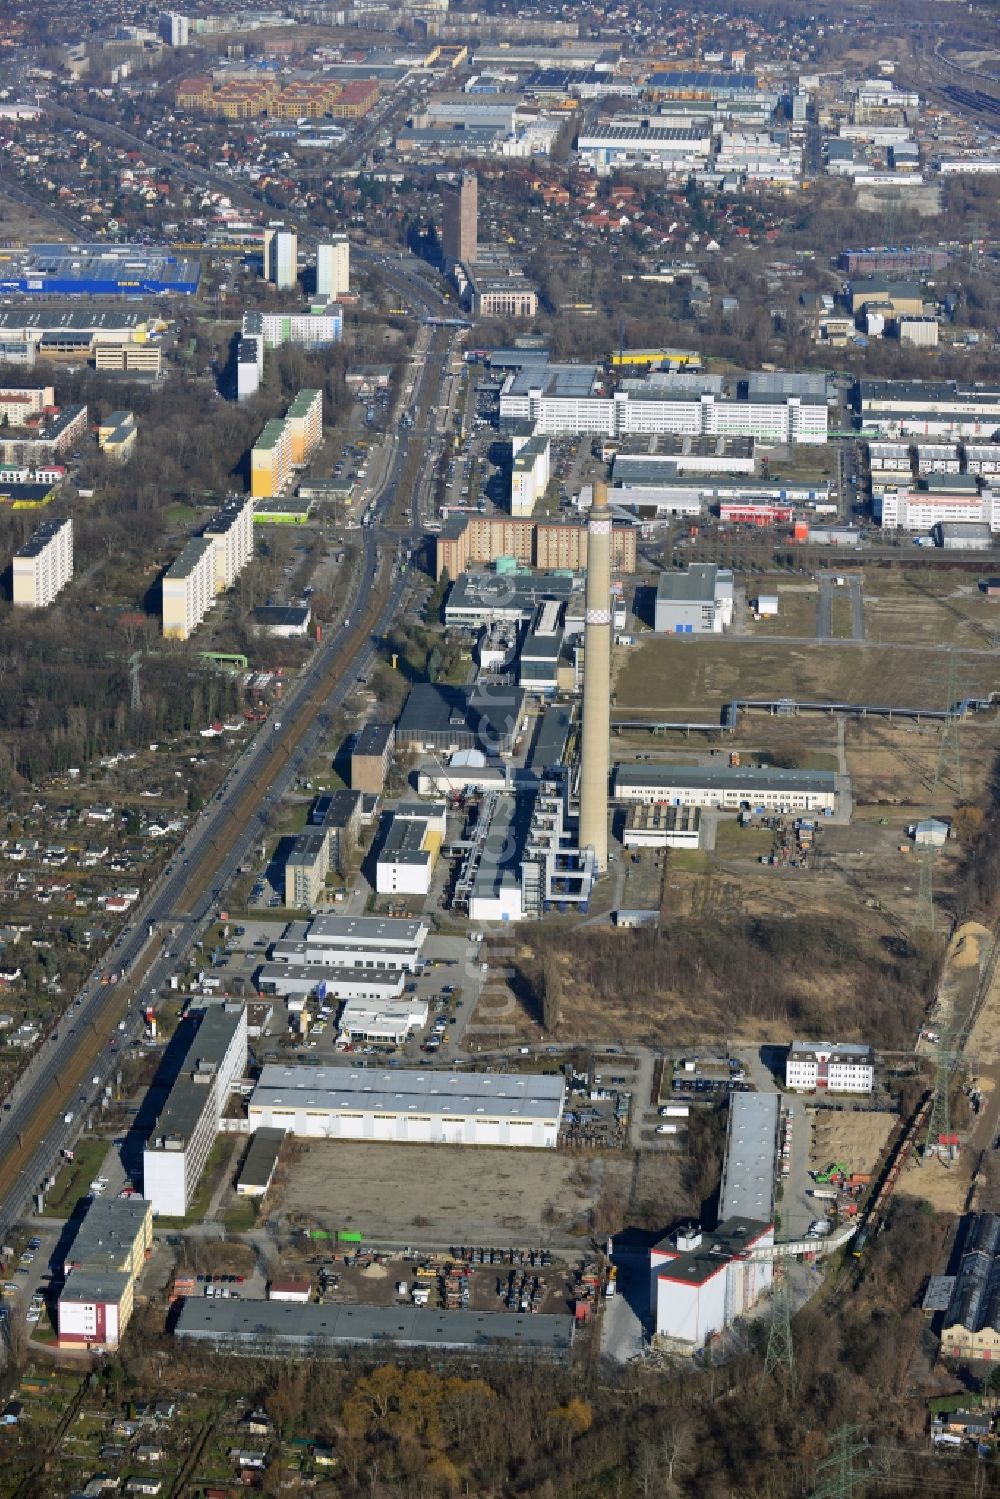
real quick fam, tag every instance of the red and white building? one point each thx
(756, 515)
(700, 1283)
(104, 1262)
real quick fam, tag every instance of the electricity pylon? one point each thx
(836, 1475)
(780, 1354)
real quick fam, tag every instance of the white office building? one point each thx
(182, 1137)
(44, 565)
(362, 942)
(333, 268)
(836, 1067)
(410, 1105)
(381, 1023)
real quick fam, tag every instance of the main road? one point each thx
(45, 1110)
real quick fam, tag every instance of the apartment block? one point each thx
(189, 589)
(116, 437)
(309, 330)
(306, 869)
(305, 426)
(231, 532)
(44, 564)
(529, 476)
(282, 258)
(468, 540)
(371, 757)
(270, 462)
(285, 444)
(355, 99)
(106, 1258)
(16, 405)
(46, 434)
(333, 268)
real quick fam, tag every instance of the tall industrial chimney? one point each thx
(595, 754)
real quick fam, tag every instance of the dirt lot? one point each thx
(433, 1195)
(852, 1139)
(796, 611)
(929, 606)
(695, 678)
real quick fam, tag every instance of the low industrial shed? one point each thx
(410, 1105)
(260, 1162)
(257, 1327)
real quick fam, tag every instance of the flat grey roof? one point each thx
(261, 1158)
(404, 842)
(188, 1099)
(311, 975)
(562, 381)
(695, 586)
(189, 557)
(374, 739)
(107, 1230)
(421, 1084)
(42, 536)
(283, 1322)
(366, 931)
(751, 1151)
(95, 1285)
(549, 743)
(747, 777)
(306, 849)
(488, 592)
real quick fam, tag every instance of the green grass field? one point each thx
(74, 1179)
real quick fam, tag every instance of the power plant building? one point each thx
(698, 601)
(44, 565)
(729, 788)
(406, 861)
(595, 752)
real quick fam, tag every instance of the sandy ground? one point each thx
(440, 1195)
(967, 952)
(983, 1047)
(853, 1140)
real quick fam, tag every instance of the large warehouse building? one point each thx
(729, 788)
(260, 1327)
(410, 1105)
(971, 1324)
(99, 270)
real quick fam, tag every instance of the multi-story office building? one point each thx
(129, 359)
(182, 1137)
(333, 267)
(189, 588)
(460, 220)
(940, 499)
(231, 533)
(44, 564)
